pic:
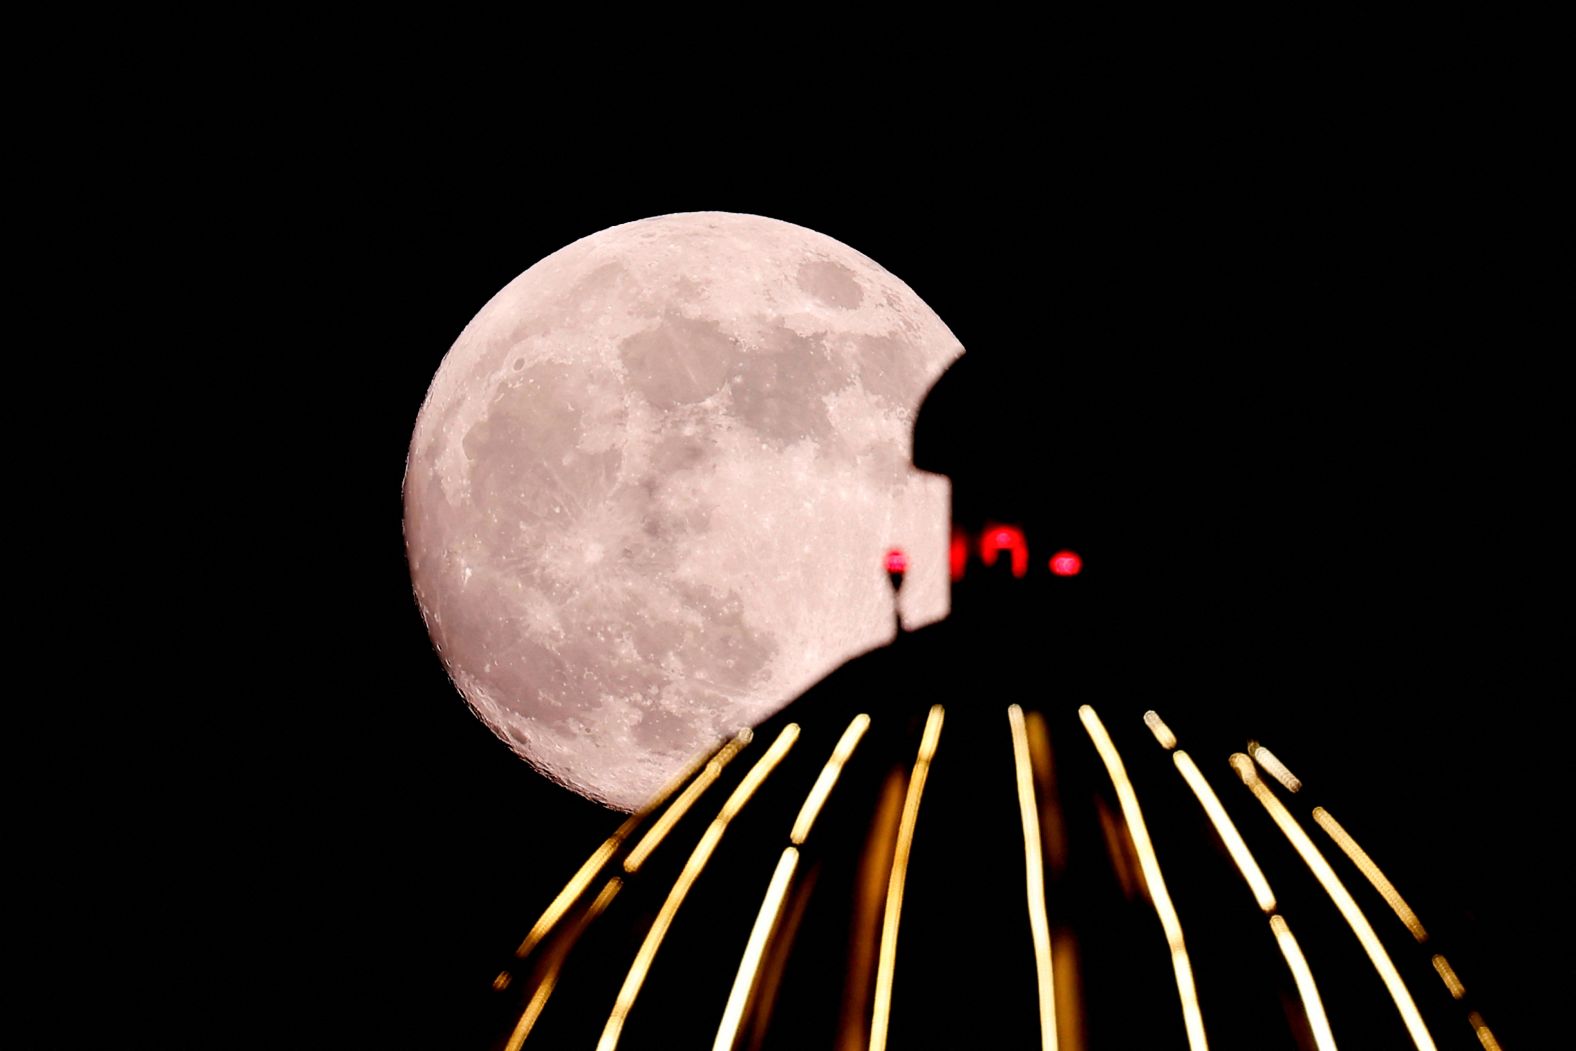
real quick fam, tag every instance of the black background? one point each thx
(1357, 311)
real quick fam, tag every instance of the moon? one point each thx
(651, 485)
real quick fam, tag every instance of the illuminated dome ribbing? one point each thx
(865, 871)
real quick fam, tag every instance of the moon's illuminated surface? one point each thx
(651, 485)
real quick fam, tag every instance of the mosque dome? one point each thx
(1009, 829)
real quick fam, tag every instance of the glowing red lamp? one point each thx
(1066, 564)
(1005, 538)
(959, 555)
(896, 561)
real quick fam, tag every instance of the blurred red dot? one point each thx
(896, 561)
(1005, 538)
(1066, 564)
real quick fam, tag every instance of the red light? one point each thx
(1066, 564)
(896, 561)
(959, 555)
(1005, 538)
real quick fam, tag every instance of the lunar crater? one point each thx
(830, 283)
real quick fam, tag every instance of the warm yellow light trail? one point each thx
(1366, 865)
(587, 872)
(1312, 1006)
(1162, 732)
(823, 784)
(1034, 876)
(771, 905)
(573, 889)
(1484, 1035)
(1228, 831)
(744, 981)
(1274, 767)
(1341, 897)
(1307, 988)
(544, 988)
(681, 805)
(1447, 974)
(692, 870)
(1191, 1014)
(894, 900)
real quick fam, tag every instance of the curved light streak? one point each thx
(1484, 1034)
(692, 870)
(1342, 898)
(1306, 988)
(1371, 872)
(1134, 816)
(681, 805)
(1162, 732)
(777, 889)
(894, 900)
(1447, 974)
(1034, 878)
(1274, 767)
(573, 889)
(744, 981)
(599, 857)
(823, 784)
(544, 988)
(1228, 831)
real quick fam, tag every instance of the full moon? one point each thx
(651, 486)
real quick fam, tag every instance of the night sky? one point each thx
(1351, 331)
